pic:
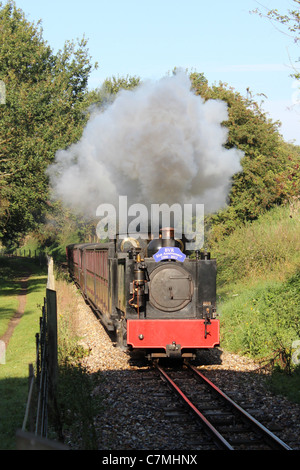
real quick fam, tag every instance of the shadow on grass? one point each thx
(14, 270)
(13, 392)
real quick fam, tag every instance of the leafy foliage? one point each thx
(270, 167)
(45, 98)
(267, 247)
(259, 285)
(261, 322)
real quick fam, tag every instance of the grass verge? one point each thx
(259, 293)
(21, 348)
(75, 384)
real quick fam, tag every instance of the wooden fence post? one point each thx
(50, 281)
(47, 377)
(52, 356)
(52, 338)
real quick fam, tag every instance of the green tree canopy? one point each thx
(46, 94)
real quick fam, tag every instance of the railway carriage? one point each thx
(150, 292)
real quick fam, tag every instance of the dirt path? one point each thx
(19, 312)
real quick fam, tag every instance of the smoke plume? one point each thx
(159, 143)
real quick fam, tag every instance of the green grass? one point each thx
(266, 249)
(74, 383)
(264, 319)
(258, 291)
(288, 385)
(21, 349)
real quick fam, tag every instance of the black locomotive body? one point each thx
(150, 293)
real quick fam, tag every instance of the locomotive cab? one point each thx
(171, 310)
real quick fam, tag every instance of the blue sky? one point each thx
(149, 38)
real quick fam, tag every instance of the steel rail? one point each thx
(271, 438)
(219, 439)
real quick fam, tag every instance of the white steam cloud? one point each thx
(159, 143)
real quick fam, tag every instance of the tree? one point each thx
(105, 95)
(270, 168)
(46, 95)
(290, 20)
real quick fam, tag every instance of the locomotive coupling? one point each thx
(173, 350)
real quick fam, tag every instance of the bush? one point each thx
(263, 321)
(259, 287)
(268, 248)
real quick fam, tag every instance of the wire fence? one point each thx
(39, 256)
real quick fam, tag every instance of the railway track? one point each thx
(228, 425)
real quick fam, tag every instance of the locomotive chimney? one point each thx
(167, 233)
(166, 239)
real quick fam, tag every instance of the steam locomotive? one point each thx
(150, 293)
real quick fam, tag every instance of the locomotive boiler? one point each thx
(154, 296)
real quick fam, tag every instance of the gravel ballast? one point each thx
(136, 413)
